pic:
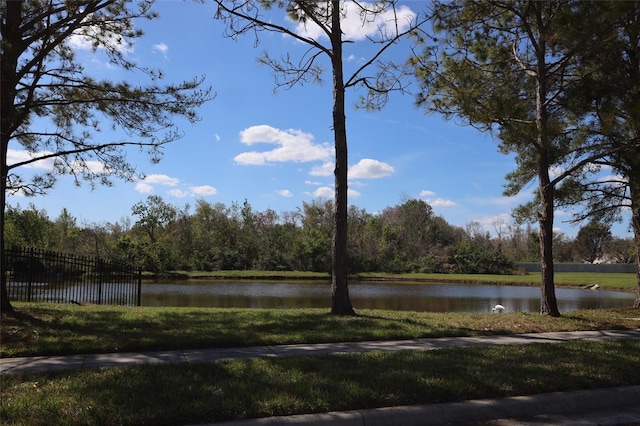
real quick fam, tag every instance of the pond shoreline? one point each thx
(441, 279)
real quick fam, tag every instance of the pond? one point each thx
(375, 295)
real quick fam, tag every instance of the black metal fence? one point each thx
(44, 276)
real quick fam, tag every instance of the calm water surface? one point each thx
(387, 295)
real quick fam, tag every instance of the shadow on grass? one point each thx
(69, 329)
(233, 390)
(19, 329)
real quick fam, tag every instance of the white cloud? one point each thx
(15, 156)
(285, 193)
(178, 193)
(326, 169)
(144, 188)
(324, 192)
(293, 145)
(440, 202)
(146, 184)
(353, 193)
(365, 169)
(370, 169)
(203, 190)
(556, 171)
(561, 213)
(250, 158)
(79, 42)
(96, 167)
(327, 192)
(615, 180)
(312, 182)
(83, 38)
(161, 180)
(356, 27)
(161, 48)
(217, 136)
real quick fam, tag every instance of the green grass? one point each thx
(53, 329)
(231, 390)
(610, 281)
(198, 393)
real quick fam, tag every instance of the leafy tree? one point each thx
(155, 217)
(112, 241)
(66, 231)
(251, 16)
(268, 239)
(211, 238)
(28, 228)
(359, 236)
(415, 218)
(317, 222)
(182, 237)
(500, 66)
(591, 241)
(621, 250)
(471, 257)
(216, 234)
(248, 237)
(154, 214)
(209, 223)
(606, 98)
(43, 82)
(406, 235)
(563, 248)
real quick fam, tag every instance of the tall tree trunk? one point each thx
(340, 301)
(5, 303)
(634, 189)
(548, 302)
(8, 83)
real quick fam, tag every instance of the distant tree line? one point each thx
(407, 237)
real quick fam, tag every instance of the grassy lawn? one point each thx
(54, 329)
(232, 390)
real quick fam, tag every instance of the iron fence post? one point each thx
(139, 301)
(55, 277)
(30, 274)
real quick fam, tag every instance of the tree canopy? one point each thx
(516, 69)
(53, 110)
(607, 101)
(317, 25)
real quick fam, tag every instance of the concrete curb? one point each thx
(472, 411)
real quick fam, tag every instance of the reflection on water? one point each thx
(386, 295)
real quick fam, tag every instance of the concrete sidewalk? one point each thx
(56, 363)
(614, 406)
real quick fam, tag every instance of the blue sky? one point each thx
(276, 149)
